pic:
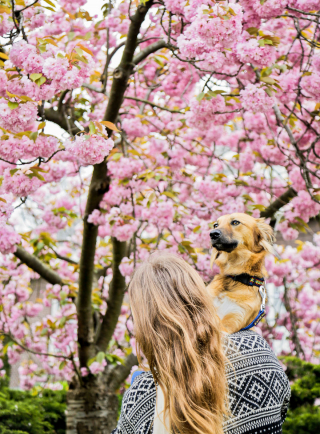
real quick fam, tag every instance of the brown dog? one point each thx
(240, 244)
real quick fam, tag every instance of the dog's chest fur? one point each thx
(236, 304)
(225, 306)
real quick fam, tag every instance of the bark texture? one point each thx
(91, 410)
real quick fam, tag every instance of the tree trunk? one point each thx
(91, 410)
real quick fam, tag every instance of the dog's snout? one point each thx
(215, 234)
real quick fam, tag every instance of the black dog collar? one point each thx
(246, 279)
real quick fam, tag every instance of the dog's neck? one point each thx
(242, 262)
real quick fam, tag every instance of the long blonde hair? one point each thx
(177, 329)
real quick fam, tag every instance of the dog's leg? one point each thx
(214, 288)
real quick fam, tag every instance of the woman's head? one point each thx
(177, 329)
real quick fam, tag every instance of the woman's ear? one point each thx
(267, 237)
(214, 255)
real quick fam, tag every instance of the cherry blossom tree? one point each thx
(172, 113)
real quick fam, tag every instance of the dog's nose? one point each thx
(215, 234)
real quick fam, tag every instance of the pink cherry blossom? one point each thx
(255, 99)
(89, 149)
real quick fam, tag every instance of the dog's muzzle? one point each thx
(221, 243)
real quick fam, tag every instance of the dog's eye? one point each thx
(235, 223)
(215, 225)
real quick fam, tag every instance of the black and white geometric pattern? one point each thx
(259, 391)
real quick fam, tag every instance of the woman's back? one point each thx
(259, 391)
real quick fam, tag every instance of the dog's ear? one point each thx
(214, 255)
(266, 237)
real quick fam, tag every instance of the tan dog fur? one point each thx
(238, 304)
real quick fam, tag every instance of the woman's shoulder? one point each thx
(138, 406)
(141, 395)
(246, 341)
(248, 353)
(144, 380)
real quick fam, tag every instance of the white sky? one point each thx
(94, 7)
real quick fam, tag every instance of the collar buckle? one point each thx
(263, 294)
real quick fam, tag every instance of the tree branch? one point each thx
(57, 118)
(116, 293)
(293, 320)
(98, 187)
(152, 104)
(119, 373)
(39, 267)
(282, 200)
(64, 258)
(148, 50)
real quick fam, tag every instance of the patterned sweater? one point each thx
(259, 391)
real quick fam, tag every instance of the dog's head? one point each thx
(240, 233)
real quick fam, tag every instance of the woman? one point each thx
(208, 384)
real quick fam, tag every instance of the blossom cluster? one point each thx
(89, 149)
(14, 148)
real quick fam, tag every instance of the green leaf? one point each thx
(100, 357)
(13, 171)
(159, 61)
(266, 72)
(247, 197)
(151, 197)
(39, 169)
(200, 96)
(252, 30)
(62, 364)
(50, 3)
(49, 8)
(42, 48)
(12, 105)
(302, 222)
(79, 51)
(35, 77)
(117, 156)
(268, 80)
(169, 194)
(241, 182)
(35, 174)
(41, 125)
(259, 207)
(33, 136)
(44, 332)
(40, 81)
(261, 42)
(268, 91)
(81, 58)
(63, 296)
(214, 93)
(62, 322)
(92, 128)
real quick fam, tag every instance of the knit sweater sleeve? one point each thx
(138, 406)
(285, 405)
